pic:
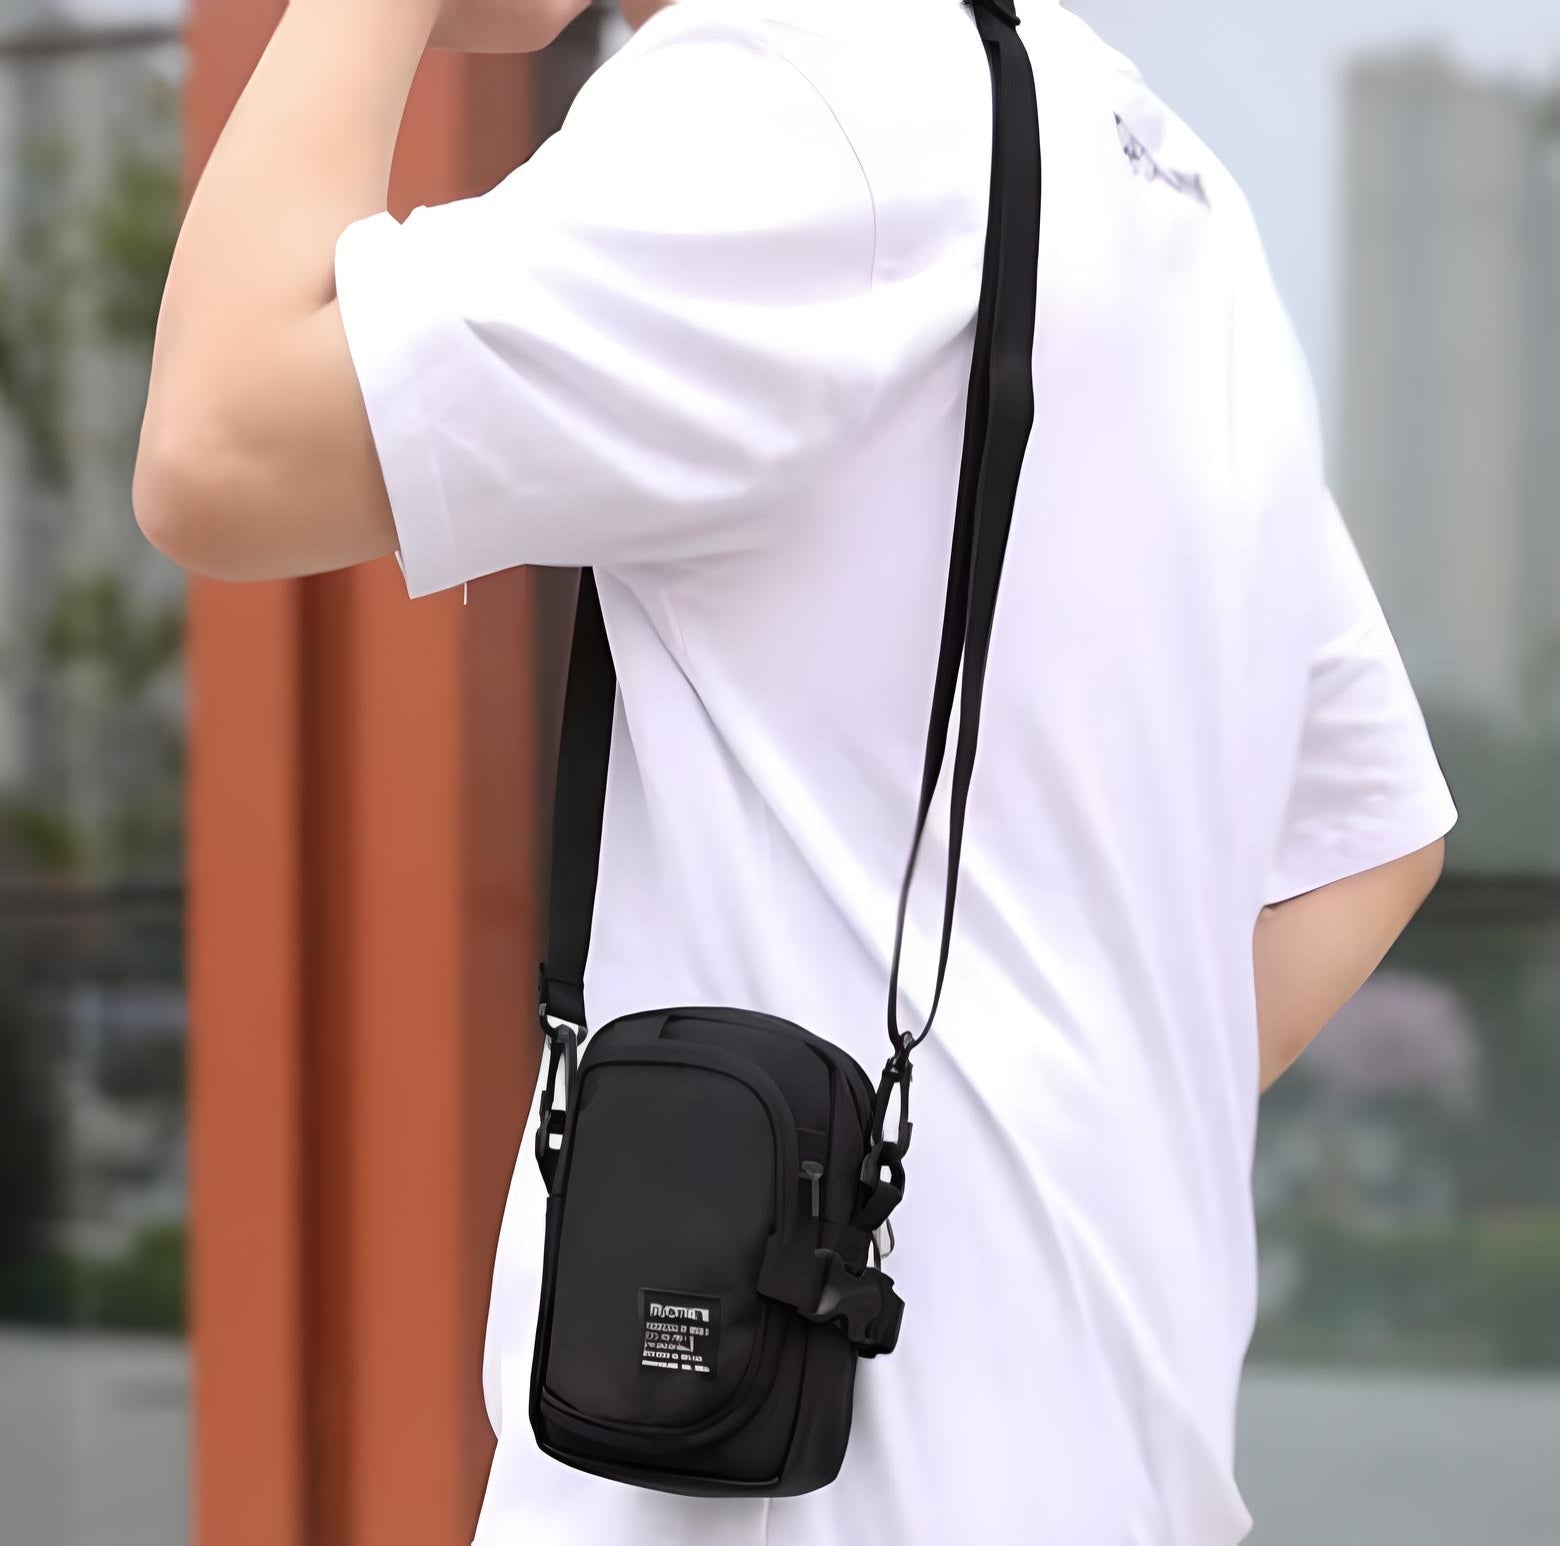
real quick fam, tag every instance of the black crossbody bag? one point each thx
(718, 1178)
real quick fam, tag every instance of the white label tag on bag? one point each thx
(681, 1331)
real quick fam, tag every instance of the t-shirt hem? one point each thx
(388, 339)
(1357, 848)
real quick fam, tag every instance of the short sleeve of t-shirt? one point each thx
(630, 348)
(1366, 787)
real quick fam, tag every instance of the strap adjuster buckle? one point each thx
(863, 1302)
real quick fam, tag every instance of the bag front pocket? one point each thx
(682, 1164)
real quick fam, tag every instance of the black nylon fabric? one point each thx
(681, 1183)
(714, 1179)
(578, 806)
(733, 1169)
(998, 421)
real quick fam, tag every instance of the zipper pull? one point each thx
(812, 1171)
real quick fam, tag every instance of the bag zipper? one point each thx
(862, 1090)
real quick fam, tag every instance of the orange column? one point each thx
(364, 805)
(245, 991)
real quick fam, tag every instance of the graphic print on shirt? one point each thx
(681, 1331)
(1144, 164)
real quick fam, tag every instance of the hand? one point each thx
(502, 26)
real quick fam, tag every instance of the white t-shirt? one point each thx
(715, 339)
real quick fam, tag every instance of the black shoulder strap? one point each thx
(999, 417)
(578, 808)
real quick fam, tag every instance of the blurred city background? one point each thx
(1405, 167)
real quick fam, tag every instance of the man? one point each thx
(714, 339)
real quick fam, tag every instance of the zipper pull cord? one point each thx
(812, 1171)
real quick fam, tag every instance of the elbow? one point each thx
(184, 497)
(167, 504)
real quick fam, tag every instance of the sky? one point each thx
(1260, 81)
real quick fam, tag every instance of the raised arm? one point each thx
(256, 459)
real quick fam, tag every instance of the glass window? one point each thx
(1404, 165)
(93, 1365)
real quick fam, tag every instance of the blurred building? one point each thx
(1451, 470)
(92, 1021)
(88, 118)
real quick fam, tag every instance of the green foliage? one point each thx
(1517, 1267)
(1507, 975)
(143, 1290)
(96, 624)
(132, 231)
(1467, 1291)
(1416, 1276)
(1503, 776)
(1480, 1285)
(36, 276)
(42, 1289)
(109, 652)
(27, 1134)
(45, 838)
(95, 655)
(115, 254)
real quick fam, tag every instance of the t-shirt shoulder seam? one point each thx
(757, 36)
(828, 107)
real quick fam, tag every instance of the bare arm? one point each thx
(1314, 952)
(256, 459)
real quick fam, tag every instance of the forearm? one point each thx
(306, 152)
(251, 384)
(1313, 953)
